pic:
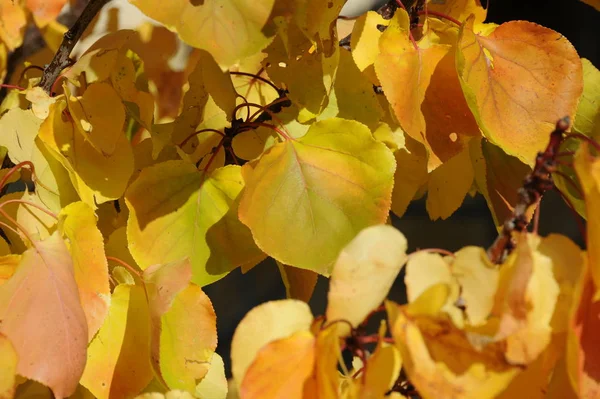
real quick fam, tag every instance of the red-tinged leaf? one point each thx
(281, 368)
(42, 316)
(518, 82)
(45, 11)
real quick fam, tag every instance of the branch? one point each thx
(534, 186)
(61, 59)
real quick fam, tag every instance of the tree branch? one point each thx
(61, 59)
(534, 187)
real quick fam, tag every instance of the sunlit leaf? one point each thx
(229, 30)
(425, 93)
(264, 324)
(42, 316)
(8, 367)
(44, 11)
(363, 274)
(364, 35)
(518, 81)
(459, 9)
(441, 362)
(478, 280)
(118, 363)
(214, 383)
(177, 211)
(86, 245)
(275, 375)
(312, 186)
(19, 128)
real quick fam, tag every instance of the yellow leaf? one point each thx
(77, 223)
(177, 211)
(8, 265)
(214, 384)
(230, 30)
(264, 324)
(518, 81)
(42, 316)
(118, 363)
(529, 300)
(19, 128)
(364, 34)
(460, 9)
(99, 116)
(425, 270)
(363, 274)
(441, 362)
(313, 186)
(478, 280)
(449, 184)
(97, 178)
(299, 283)
(8, 368)
(12, 23)
(382, 369)
(281, 368)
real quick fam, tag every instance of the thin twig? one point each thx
(61, 59)
(534, 186)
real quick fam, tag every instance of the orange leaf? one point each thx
(45, 11)
(281, 368)
(518, 82)
(42, 316)
(425, 94)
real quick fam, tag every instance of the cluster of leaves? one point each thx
(275, 141)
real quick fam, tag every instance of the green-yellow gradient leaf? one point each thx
(518, 81)
(305, 199)
(230, 30)
(77, 223)
(587, 121)
(41, 314)
(118, 363)
(96, 177)
(177, 211)
(498, 176)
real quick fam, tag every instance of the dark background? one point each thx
(237, 293)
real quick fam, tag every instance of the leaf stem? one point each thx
(125, 265)
(267, 81)
(25, 202)
(440, 15)
(188, 138)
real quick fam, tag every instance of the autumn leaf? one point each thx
(423, 90)
(587, 168)
(77, 223)
(177, 211)
(13, 21)
(312, 186)
(364, 34)
(286, 374)
(214, 384)
(364, 273)
(264, 324)
(518, 81)
(299, 283)
(184, 333)
(230, 30)
(51, 300)
(118, 361)
(460, 9)
(45, 11)
(8, 368)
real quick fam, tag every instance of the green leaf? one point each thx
(177, 211)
